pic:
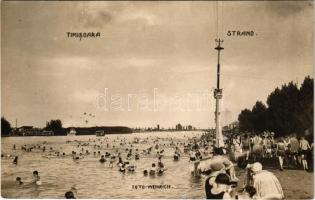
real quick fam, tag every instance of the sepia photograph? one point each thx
(157, 99)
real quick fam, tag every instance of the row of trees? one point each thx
(5, 127)
(52, 125)
(288, 110)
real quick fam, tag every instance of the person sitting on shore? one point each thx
(266, 183)
(19, 181)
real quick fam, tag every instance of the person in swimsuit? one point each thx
(305, 146)
(281, 152)
(295, 146)
(246, 145)
(220, 162)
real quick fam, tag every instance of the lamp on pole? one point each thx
(218, 97)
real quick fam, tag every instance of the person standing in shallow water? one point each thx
(36, 177)
(15, 161)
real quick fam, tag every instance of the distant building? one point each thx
(31, 131)
(25, 128)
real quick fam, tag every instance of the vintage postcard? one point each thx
(157, 99)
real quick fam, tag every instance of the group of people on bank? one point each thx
(222, 181)
(290, 151)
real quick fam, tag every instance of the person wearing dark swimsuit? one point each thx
(222, 183)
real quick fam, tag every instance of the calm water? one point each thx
(91, 178)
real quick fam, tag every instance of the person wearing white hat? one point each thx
(266, 183)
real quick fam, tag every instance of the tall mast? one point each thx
(218, 97)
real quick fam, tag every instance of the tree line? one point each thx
(56, 127)
(289, 110)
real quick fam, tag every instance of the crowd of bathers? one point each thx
(117, 153)
(291, 151)
(206, 160)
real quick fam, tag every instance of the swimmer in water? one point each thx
(36, 177)
(72, 193)
(15, 161)
(122, 168)
(102, 160)
(131, 168)
(145, 172)
(120, 161)
(19, 181)
(69, 195)
(153, 169)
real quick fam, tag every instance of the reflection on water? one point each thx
(92, 178)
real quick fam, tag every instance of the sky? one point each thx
(154, 62)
